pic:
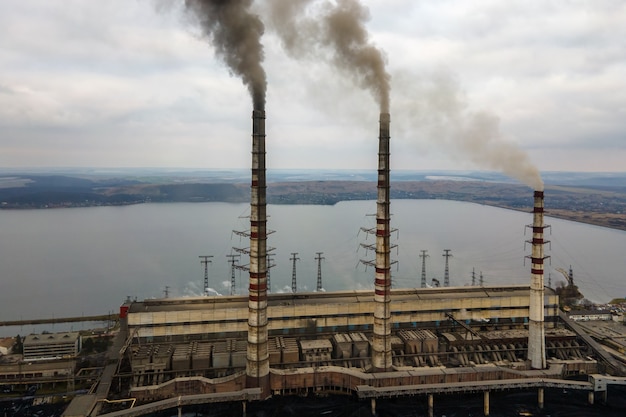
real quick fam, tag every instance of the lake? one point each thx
(85, 261)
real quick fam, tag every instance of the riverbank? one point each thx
(596, 204)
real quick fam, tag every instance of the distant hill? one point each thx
(590, 198)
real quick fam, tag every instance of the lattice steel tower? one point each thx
(233, 265)
(446, 274)
(294, 283)
(206, 261)
(424, 255)
(319, 259)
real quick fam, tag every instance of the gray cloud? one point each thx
(121, 83)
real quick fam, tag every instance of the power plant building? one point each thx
(366, 342)
(203, 318)
(271, 342)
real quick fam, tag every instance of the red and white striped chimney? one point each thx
(381, 343)
(257, 367)
(536, 330)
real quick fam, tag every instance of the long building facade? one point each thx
(170, 319)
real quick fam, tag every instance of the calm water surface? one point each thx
(84, 261)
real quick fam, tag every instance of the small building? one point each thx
(590, 315)
(318, 350)
(22, 374)
(51, 346)
(6, 344)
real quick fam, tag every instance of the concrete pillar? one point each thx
(486, 403)
(605, 396)
(373, 406)
(540, 398)
(180, 411)
(243, 408)
(590, 397)
(431, 405)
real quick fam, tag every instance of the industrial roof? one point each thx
(51, 338)
(334, 297)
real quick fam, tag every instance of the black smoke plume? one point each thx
(314, 28)
(235, 32)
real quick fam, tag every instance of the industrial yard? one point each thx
(179, 353)
(445, 340)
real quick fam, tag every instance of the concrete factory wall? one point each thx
(176, 319)
(338, 379)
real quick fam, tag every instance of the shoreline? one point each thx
(615, 221)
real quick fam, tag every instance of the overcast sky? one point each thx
(132, 83)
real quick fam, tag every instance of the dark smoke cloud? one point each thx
(236, 34)
(434, 106)
(309, 28)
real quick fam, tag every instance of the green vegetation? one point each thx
(97, 344)
(18, 347)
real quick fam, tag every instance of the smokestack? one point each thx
(536, 331)
(257, 367)
(381, 344)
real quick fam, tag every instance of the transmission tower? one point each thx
(424, 255)
(294, 285)
(319, 259)
(446, 274)
(166, 291)
(233, 265)
(473, 277)
(246, 252)
(482, 281)
(372, 247)
(270, 265)
(206, 261)
(571, 276)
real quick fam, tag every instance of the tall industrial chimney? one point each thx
(381, 344)
(536, 331)
(258, 367)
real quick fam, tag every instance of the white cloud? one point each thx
(132, 83)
